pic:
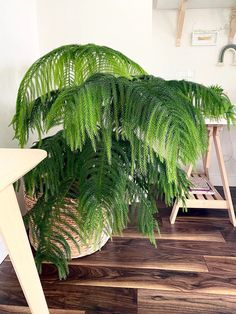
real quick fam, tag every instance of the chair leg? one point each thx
(14, 234)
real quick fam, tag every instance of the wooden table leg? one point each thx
(223, 174)
(16, 240)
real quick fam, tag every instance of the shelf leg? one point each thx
(206, 160)
(223, 174)
(176, 206)
(16, 240)
(189, 171)
(174, 212)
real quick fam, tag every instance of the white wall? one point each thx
(125, 25)
(199, 63)
(19, 47)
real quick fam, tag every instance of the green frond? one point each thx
(153, 117)
(102, 195)
(61, 68)
(60, 165)
(165, 122)
(47, 220)
(211, 101)
(143, 206)
(84, 109)
(161, 187)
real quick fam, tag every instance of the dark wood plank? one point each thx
(206, 213)
(14, 309)
(4, 309)
(95, 277)
(213, 236)
(115, 300)
(162, 302)
(108, 312)
(25, 310)
(139, 253)
(74, 297)
(204, 283)
(229, 234)
(156, 260)
(68, 297)
(200, 222)
(131, 247)
(222, 264)
(201, 227)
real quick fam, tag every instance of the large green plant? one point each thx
(124, 137)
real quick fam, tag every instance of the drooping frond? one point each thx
(165, 121)
(51, 230)
(84, 110)
(103, 200)
(161, 187)
(100, 193)
(153, 117)
(64, 67)
(60, 165)
(143, 206)
(211, 101)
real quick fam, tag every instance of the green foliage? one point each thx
(124, 138)
(102, 192)
(175, 130)
(61, 68)
(50, 227)
(211, 101)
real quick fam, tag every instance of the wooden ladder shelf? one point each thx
(204, 200)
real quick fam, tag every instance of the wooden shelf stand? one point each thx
(204, 200)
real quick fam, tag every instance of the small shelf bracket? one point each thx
(232, 29)
(180, 21)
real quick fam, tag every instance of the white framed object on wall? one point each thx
(204, 38)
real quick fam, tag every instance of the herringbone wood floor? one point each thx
(192, 270)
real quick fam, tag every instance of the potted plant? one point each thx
(120, 137)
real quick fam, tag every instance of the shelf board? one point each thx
(204, 195)
(204, 200)
(194, 4)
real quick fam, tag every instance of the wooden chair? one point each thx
(14, 163)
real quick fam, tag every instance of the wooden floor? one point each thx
(192, 270)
